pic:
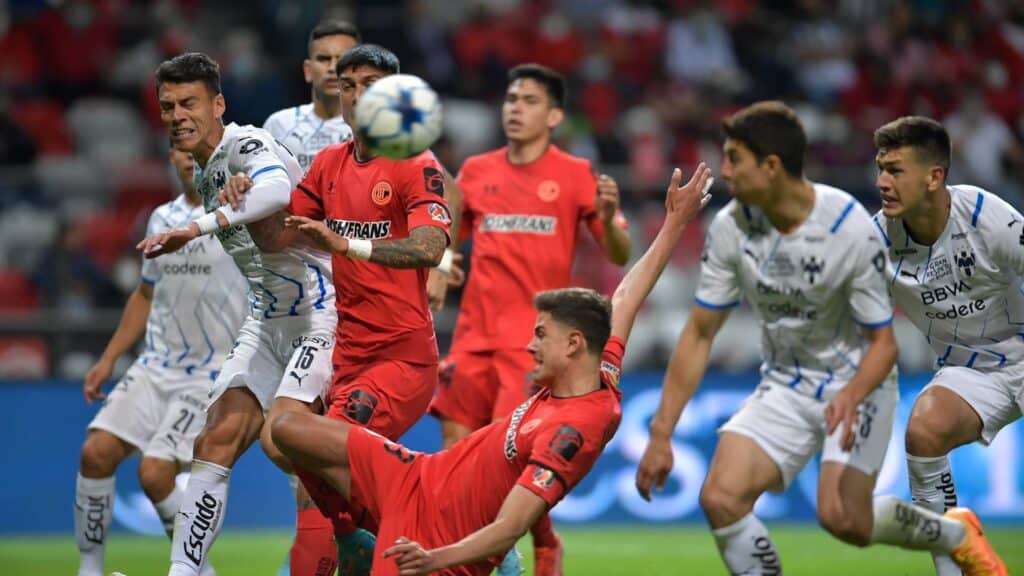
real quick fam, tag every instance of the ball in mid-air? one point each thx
(399, 116)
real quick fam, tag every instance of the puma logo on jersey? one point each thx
(362, 230)
(298, 378)
(910, 274)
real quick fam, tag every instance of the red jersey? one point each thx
(525, 221)
(547, 445)
(382, 312)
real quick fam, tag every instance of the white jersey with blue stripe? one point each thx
(291, 282)
(964, 292)
(304, 133)
(811, 289)
(198, 297)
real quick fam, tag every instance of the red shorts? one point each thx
(385, 479)
(387, 396)
(480, 387)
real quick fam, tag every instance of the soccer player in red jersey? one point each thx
(458, 511)
(522, 204)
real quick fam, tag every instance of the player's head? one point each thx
(328, 41)
(534, 103)
(184, 167)
(358, 69)
(764, 145)
(572, 324)
(191, 105)
(913, 161)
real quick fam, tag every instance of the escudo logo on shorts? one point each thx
(543, 478)
(433, 180)
(360, 406)
(381, 193)
(548, 191)
(566, 442)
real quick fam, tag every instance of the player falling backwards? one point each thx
(522, 204)
(283, 348)
(959, 263)
(189, 307)
(460, 510)
(808, 259)
(386, 223)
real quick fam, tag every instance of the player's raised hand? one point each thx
(97, 376)
(411, 558)
(843, 410)
(683, 203)
(167, 242)
(607, 202)
(654, 467)
(317, 231)
(234, 191)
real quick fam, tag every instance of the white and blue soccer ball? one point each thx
(399, 116)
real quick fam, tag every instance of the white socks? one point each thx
(167, 509)
(908, 526)
(199, 521)
(94, 512)
(747, 549)
(931, 487)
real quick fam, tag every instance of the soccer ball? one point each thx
(399, 116)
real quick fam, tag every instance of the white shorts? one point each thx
(790, 427)
(158, 410)
(997, 395)
(288, 357)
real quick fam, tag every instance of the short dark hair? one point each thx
(190, 67)
(581, 308)
(927, 137)
(372, 55)
(333, 28)
(770, 128)
(552, 81)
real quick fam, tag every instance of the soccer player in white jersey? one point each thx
(812, 266)
(309, 128)
(958, 253)
(189, 305)
(285, 344)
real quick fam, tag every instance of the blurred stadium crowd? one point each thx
(83, 155)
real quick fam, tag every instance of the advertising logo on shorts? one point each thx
(360, 406)
(566, 443)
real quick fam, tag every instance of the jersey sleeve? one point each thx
(254, 155)
(719, 286)
(307, 199)
(1004, 235)
(150, 273)
(422, 192)
(870, 300)
(563, 453)
(611, 361)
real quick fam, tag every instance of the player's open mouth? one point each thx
(889, 201)
(180, 133)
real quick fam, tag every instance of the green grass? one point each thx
(611, 551)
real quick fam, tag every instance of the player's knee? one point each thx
(283, 431)
(844, 524)
(721, 505)
(157, 478)
(98, 459)
(273, 452)
(927, 436)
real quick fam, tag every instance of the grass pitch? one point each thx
(601, 551)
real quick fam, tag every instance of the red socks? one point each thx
(314, 552)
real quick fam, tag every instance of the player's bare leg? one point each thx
(102, 452)
(452, 432)
(940, 421)
(315, 444)
(232, 424)
(740, 472)
(313, 551)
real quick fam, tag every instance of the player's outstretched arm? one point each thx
(448, 271)
(131, 327)
(682, 203)
(518, 513)
(875, 367)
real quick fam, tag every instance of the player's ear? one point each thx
(218, 106)
(936, 177)
(577, 343)
(307, 70)
(555, 117)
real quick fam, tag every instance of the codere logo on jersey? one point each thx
(362, 230)
(524, 223)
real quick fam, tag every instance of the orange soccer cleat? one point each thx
(547, 560)
(975, 556)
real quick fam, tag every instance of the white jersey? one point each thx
(304, 133)
(810, 289)
(964, 292)
(291, 282)
(198, 297)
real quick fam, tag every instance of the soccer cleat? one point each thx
(355, 553)
(547, 560)
(511, 564)
(975, 556)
